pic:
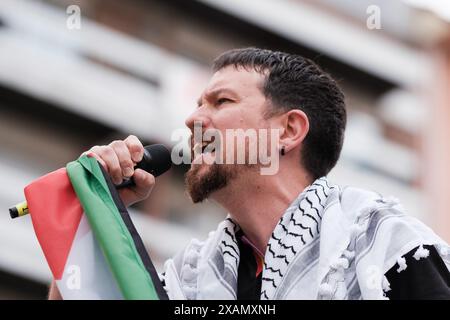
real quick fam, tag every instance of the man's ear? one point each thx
(295, 127)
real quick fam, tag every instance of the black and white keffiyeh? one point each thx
(331, 243)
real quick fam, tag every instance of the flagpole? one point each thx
(19, 210)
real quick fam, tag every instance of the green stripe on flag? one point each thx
(110, 230)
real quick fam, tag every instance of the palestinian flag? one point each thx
(88, 238)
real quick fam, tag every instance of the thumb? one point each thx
(144, 183)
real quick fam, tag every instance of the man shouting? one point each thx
(291, 234)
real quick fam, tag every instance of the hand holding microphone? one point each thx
(132, 167)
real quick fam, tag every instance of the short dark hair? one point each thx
(294, 82)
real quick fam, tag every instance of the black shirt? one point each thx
(248, 283)
(427, 278)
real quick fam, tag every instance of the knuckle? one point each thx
(116, 172)
(125, 163)
(94, 149)
(98, 152)
(132, 137)
(117, 144)
(134, 142)
(108, 150)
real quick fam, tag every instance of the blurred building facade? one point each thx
(137, 67)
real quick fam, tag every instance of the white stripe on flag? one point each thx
(86, 274)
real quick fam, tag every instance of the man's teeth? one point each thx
(200, 148)
(197, 148)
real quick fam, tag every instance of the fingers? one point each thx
(54, 293)
(111, 160)
(92, 154)
(144, 183)
(124, 157)
(119, 157)
(135, 148)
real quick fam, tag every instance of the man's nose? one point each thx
(199, 115)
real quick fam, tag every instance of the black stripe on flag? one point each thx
(136, 238)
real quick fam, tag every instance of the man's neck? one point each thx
(257, 203)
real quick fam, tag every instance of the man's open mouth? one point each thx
(203, 148)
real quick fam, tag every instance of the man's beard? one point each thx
(203, 179)
(200, 185)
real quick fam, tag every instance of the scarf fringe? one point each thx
(421, 252)
(292, 243)
(386, 285)
(401, 264)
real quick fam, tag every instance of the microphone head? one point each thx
(156, 159)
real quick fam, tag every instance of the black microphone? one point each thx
(156, 160)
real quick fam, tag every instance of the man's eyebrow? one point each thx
(215, 93)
